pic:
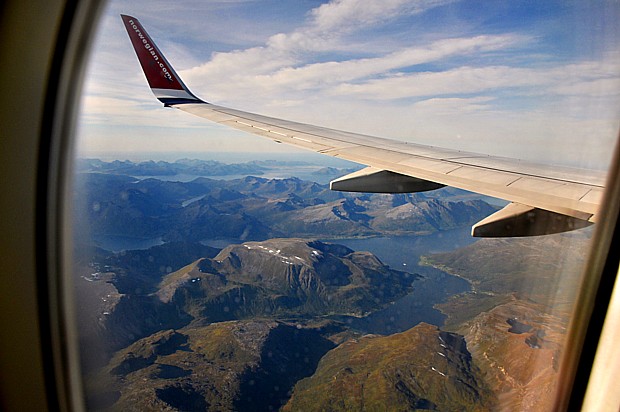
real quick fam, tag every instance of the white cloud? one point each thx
(473, 86)
(592, 88)
(582, 79)
(453, 105)
(346, 15)
(112, 111)
(280, 60)
(248, 75)
(335, 72)
(449, 82)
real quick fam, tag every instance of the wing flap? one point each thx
(594, 196)
(373, 156)
(485, 176)
(431, 165)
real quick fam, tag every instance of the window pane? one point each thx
(216, 270)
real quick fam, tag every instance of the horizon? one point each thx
(235, 157)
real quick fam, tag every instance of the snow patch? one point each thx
(441, 373)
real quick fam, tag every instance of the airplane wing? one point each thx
(543, 199)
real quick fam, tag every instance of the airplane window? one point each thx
(467, 146)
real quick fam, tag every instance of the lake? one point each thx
(116, 243)
(434, 286)
(400, 253)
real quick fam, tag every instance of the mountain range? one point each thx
(255, 208)
(260, 322)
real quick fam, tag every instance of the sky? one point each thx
(537, 80)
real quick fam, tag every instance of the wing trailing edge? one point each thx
(543, 199)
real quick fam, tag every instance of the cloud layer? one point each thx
(378, 67)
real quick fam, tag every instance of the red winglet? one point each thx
(164, 81)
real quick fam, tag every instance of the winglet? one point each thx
(165, 83)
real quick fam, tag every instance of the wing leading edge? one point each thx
(543, 199)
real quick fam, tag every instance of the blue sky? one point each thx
(531, 79)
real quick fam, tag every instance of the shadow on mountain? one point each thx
(289, 354)
(183, 398)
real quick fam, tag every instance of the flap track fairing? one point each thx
(517, 220)
(373, 180)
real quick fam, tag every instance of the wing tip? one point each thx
(165, 83)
